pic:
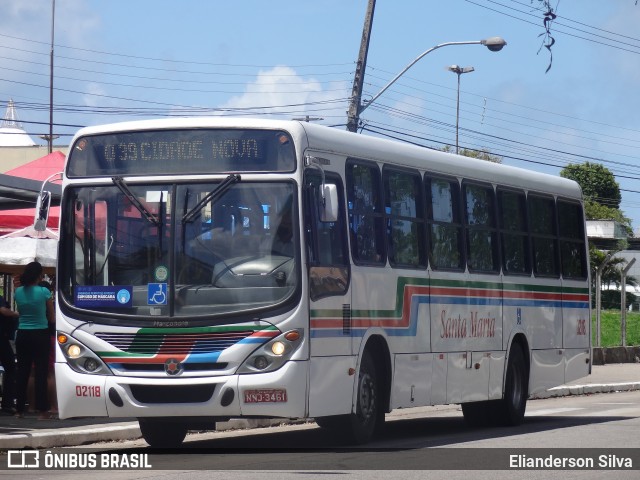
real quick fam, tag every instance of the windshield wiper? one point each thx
(212, 196)
(119, 182)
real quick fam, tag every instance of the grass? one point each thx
(610, 328)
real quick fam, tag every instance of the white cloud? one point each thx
(292, 94)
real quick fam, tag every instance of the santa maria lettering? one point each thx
(473, 326)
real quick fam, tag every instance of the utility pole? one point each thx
(353, 115)
(623, 302)
(53, 19)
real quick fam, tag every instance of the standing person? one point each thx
(35, 306)
(8, 323)
(51, 376)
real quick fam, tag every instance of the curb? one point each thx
(71, 437)
(568, 390)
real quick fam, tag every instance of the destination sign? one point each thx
(182, 151)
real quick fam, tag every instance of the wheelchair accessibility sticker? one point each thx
(156, 294)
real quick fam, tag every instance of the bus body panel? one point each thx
(80, 395)
(496, 375)
(547, 370)
(412, 374)
(577, 363)
(331, 385)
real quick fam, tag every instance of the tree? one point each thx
(597, 182)
(479, 154)
(601, 192)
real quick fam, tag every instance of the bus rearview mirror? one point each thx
(329, 203)
(42, 211)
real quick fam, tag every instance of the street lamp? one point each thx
(494, 44)
(458, 70)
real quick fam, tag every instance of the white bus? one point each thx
(219, 268)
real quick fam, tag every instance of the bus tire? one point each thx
(367, 417)
(510, 410)
(160, 434)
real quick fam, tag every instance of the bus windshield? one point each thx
(179, 250)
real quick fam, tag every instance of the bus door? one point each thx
(329, 298)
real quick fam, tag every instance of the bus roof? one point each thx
(322, 139)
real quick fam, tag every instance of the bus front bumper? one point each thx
(281, 393)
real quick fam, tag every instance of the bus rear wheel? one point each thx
(162, 434)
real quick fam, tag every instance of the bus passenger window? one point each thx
(514, 234)
(405, 218)
(542, 221)
(366, 217)
(445, 226)
(572, 246)
(482, 241)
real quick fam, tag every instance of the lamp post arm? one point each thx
(375, 97)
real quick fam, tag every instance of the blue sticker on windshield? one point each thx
(156, 294)
(107, 296)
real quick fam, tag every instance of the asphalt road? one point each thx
(429, 443)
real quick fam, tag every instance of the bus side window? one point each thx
(445, 225)
(326, 242)
(514, 234)
(405, 218)
(542, 224)
(482, 237)
(572, 246)
(366, 214)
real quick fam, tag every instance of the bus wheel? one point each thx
(511, 408)
(160, 434)
(368, 413)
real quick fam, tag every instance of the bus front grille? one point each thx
(173, 343)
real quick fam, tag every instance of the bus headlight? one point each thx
(273, 354)
(80, 358)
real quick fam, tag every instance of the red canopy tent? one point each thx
(40, 169)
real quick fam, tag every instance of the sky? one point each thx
(132, 59)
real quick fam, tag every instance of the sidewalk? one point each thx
(29, 432)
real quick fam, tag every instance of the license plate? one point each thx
(271, 395)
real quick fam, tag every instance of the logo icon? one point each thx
(23, 459)
(123, 296)
(173, 367)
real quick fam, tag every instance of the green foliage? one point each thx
(597, 182)
(611, 299)
(610, 333)
(479, 154)
(595, 211)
